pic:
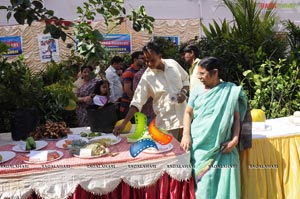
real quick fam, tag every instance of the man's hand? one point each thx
(118, 129)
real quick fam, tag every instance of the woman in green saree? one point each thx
(211, 131)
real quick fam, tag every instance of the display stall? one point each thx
(270, 169)
(152, 174)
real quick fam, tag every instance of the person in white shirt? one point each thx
(115, 84)
(167, 83)
(190, 54)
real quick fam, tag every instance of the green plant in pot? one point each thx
(20, 94)
(58, 99)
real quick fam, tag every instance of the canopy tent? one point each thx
(180, 18)
(206, 10)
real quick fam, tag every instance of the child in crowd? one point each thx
(101, 92)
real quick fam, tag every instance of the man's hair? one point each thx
(116, 59)
(152, 46)
(135, 55)
(192, 48)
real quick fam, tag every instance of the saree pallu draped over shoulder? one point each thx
(217, 174)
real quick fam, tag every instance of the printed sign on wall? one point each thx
(15, 43)
(117, 42)
(48, 48)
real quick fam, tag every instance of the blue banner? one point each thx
(15, 43)
(117, 42)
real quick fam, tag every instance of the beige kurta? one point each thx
(161, 85)
(194, 80)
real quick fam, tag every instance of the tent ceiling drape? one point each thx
(170, 9)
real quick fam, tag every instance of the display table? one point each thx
(163, 175)
(271, 168)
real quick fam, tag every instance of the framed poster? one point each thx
(15, 43)
(48, 48)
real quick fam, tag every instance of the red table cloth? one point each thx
(149, 176)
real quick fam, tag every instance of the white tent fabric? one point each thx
(173, 18)
(170, 9)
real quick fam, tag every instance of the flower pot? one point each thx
(23, 121)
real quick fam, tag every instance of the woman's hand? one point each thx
(186, 142)
(227, 147)
(87, 99)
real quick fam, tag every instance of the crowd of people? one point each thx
(200, 110)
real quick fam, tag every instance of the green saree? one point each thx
(217, 175)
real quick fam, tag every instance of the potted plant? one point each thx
(20, 93)
(58, 100)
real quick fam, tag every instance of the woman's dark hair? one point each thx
(192, 48)
(211, 63)
(85, 66)
(152, 46)
(98, 85)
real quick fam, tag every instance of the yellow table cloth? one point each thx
(271, 168)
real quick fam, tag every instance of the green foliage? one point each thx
(55, 97)
(293, 37)
(276, 86)
(114, 13)
(3, 49)
(19, 88)
(26, 11)
(216, 31)
(58, 89)
(140, 20)
(245, 43)
(55, 72)
(49, 91)
(89, 46)
(250, 47)
(127, 60)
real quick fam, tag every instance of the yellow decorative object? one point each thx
(127, 127)
(258, 115)
(296, 114)
(71, 105)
